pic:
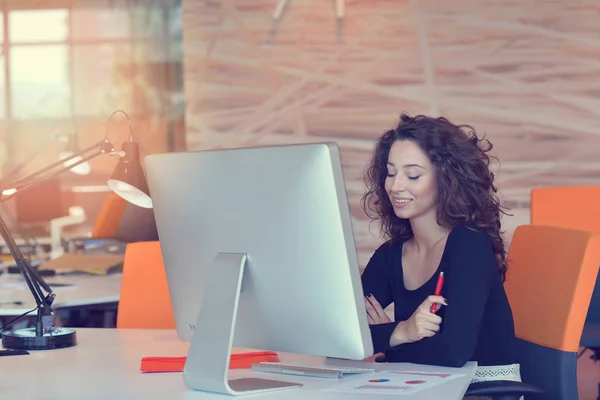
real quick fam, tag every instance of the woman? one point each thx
(430, 187)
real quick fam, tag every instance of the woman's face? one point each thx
(411, 182)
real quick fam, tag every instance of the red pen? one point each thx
(438, 290)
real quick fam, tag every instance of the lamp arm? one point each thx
(33, 182)
(23, 181)
(105, 147)
(35, 283)
(17, 168)
(32, 278)
(128, 122)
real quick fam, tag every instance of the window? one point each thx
(75, 62)
(90, 57)
(38, 26)
(39, 64)
(40, 86)
(86, 60)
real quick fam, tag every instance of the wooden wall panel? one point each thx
(525, 73)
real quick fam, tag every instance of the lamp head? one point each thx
(128, 179)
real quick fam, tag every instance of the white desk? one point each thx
(86, 290)
(106, 363)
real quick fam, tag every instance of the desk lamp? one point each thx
(127, 181)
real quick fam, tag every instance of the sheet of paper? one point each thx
(391, 382)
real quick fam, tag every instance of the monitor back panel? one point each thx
(286, 208)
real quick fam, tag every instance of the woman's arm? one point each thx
(468, 280)
(377, 281)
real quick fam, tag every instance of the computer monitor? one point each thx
(259, 253)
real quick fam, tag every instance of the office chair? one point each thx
(575, 207)
(145, 302)
(109, 217)
(549, 283)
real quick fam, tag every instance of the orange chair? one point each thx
(575, 207)
(145, 302)
(549, 283)
(108, 219)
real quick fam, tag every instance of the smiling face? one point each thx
(410, 183)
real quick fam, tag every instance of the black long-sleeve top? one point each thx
(477, 324)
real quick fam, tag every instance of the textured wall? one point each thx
(525, 72)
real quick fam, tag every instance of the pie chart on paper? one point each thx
(394, 382)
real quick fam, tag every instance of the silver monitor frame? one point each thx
(259, 253)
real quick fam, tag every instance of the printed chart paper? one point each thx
(391, 382)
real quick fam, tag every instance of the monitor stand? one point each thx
(207, 364)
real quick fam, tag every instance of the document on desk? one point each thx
(393, 382)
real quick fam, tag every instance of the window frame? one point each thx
(72, 43)
(176, 139)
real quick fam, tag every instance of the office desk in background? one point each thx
(85, 291)
(106, 365)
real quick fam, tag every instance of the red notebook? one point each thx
(176, 364)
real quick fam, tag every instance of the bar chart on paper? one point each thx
(399, 383)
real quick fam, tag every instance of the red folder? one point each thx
(176, 364)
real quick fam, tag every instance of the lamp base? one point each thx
(25, 339)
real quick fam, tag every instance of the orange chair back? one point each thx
(145, 302)
(575, 207)
(550, 279)
(108, 219)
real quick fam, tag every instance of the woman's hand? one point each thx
(375, 313)
(423, 323)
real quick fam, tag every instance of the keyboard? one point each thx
(318, 371)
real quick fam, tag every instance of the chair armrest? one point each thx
(502, 390)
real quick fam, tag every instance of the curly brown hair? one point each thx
(466, 191)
